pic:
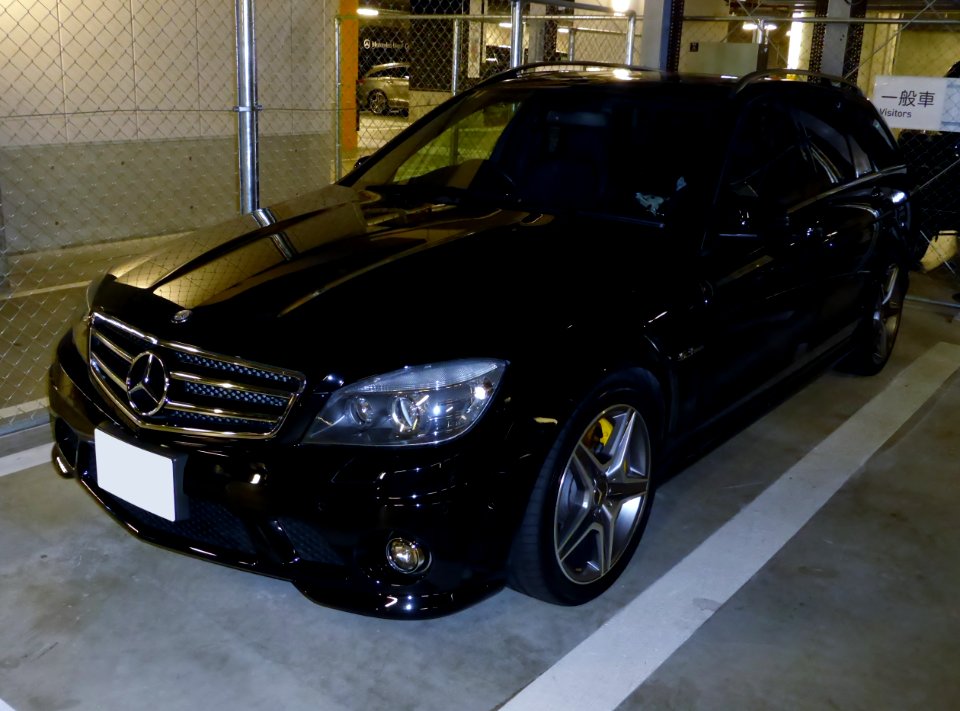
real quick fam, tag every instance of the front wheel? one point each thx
(591, 501)
(878, 332)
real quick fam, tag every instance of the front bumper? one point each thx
(321, 517)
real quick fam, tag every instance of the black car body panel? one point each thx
(714, 299)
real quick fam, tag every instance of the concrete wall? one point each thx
(116, 120)
(929, 53)
(880, 46)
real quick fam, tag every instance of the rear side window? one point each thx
(861, 160)
(828, 147)
(768, 160)
(392, 73)
(871, 134)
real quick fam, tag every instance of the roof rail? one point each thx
(546, 66)
(535, 67)
(754, 77)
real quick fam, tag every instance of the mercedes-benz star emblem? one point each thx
(182, 316)
(147, 384)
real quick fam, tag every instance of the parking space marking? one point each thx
(4, 706)
(632, 645)
(13, 463)
(23, 408)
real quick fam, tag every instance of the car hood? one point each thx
(342, 274)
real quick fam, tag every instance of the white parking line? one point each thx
(4, 706)
(13, 463)
(629, 647)
(23, 408)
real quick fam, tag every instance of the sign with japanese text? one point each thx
(923, 103)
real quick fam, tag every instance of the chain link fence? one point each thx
(407, 64)
(118, 132)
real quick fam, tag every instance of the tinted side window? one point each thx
(767, 158)
(828, 147)
(861, 161)
(872, 135)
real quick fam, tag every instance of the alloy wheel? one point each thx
(602, 494)
(377, 102)
(886, 314)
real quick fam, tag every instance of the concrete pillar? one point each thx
(536, 32)
(655, 40)
(835, 38)
(348, 59)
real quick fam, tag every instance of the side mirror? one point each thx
(360, 161)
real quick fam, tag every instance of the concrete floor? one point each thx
(859, 610)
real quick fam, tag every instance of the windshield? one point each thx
(555, 148)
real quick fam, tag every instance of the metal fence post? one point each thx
(763, 48)
(516, 33)
(631, 33)
(247, 107)
(572, 44)
(455, 64)
(4, 264)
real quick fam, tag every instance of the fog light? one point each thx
(406, 556)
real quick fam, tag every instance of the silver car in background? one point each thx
(385, 87)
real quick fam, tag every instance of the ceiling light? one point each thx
(368, 12)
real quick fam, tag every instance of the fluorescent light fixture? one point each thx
(563, 30)
(620, 5)
(368, 11)
(505, 25)
(750, 26)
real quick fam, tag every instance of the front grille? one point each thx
(209, 524)
(192, 390)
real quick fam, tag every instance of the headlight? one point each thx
(422, 404)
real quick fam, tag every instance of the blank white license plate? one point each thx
(149, 479)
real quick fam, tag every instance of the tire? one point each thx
(590, 503)
(877, 334)
(377, 102)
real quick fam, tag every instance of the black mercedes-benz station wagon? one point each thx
(469, 363)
